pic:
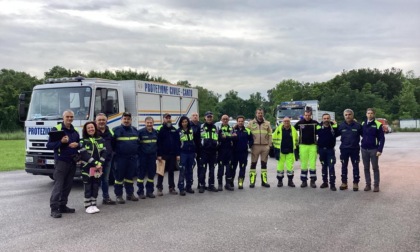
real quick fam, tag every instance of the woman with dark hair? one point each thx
(187, 156)
(93, 154)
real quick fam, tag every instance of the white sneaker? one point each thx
(95, 209)
(90, 210)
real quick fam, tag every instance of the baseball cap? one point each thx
(166, 115)
(208, 113)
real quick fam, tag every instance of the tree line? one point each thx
(393, 93)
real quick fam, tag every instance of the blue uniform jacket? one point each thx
(187, 141)
(197, 135)
(62, 151)
(350, 135)
(126, 141)
(107, 136)
(92, 152)
(373, 135)
(148, 141)
(168, 141)
(225, 143)
(243, 139)
(326, 135)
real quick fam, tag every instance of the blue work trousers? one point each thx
(240, 158)
(146, 166)
(186, 171)
(224, 164)
(354, 156)
(207, 159)
(327, 158)
(124, 173)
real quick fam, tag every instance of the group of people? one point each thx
(137, 153)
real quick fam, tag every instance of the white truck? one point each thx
(87, 98)
(296, 109)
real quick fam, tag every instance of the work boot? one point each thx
(142, 196)
(201, 189)
(159, 193)
(264, 182)
(228, 187)
(304, 184)
(120, 200)
(290, 183)
(343, 186)
(376, 188)
(66, 209)
(355, 187)
(280, 182)
(150, 195)
(333, 188)
(324, 185)
(252, 177)
(132, 197)
(220, 187)
(367, 188)
(172, 191)
(55, 213)
(182, 193)
(190, 190)
(267, 185)
(241, 183)
(212, 189)
(108, 201)
(313, 185)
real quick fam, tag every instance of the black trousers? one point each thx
(170, 163)
(63, 181)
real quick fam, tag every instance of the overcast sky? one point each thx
(245, 45)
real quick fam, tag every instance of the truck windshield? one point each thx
(293, 113)
(49, 104)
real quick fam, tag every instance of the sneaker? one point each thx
(159, 193)
(355, 187)
(66, 209)
(55, 213)
(280, 183)
(304, 184)
(120, 200)
(324, 185)
(108, 201)
(201, 189)
(376, 188)
(190, 190)
(313, 185)
(212, 189)
(333, 188)
(142, 196)
(220, 187)
(182, 193)
(150, 195)
(172, 191)
(367, 188)
(95, 209)
(132, 197)
(343, 186)
(90, 210)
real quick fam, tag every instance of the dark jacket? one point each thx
(125, 141)
(373, 135)
(107, 137)
(327, 135)
(148, 141)
(187, 140)
(350, 135)
(62, 151)
(209, 138)
(92, 152)
(168, 141)
(307, 131)
(243, 139)
(225, 143)
(196, 131)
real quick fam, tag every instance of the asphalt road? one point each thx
(259, 219)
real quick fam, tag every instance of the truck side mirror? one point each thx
(22, 107)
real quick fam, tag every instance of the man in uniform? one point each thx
(327, 132)
(307, 148)
(287, 136)
(224, 154)
(126, 150)
(261, 131)
(147, 159)
(208, 152)
(350, 132)
(65, 158)
(372, 146)
(196, 128)
(107, 134)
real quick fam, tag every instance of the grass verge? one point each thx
(12, 155)
(17, 135)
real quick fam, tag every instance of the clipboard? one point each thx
(160, 167)
(56, 136)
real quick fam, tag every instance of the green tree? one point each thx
(408, 105)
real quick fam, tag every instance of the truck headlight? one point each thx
(29, 159)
